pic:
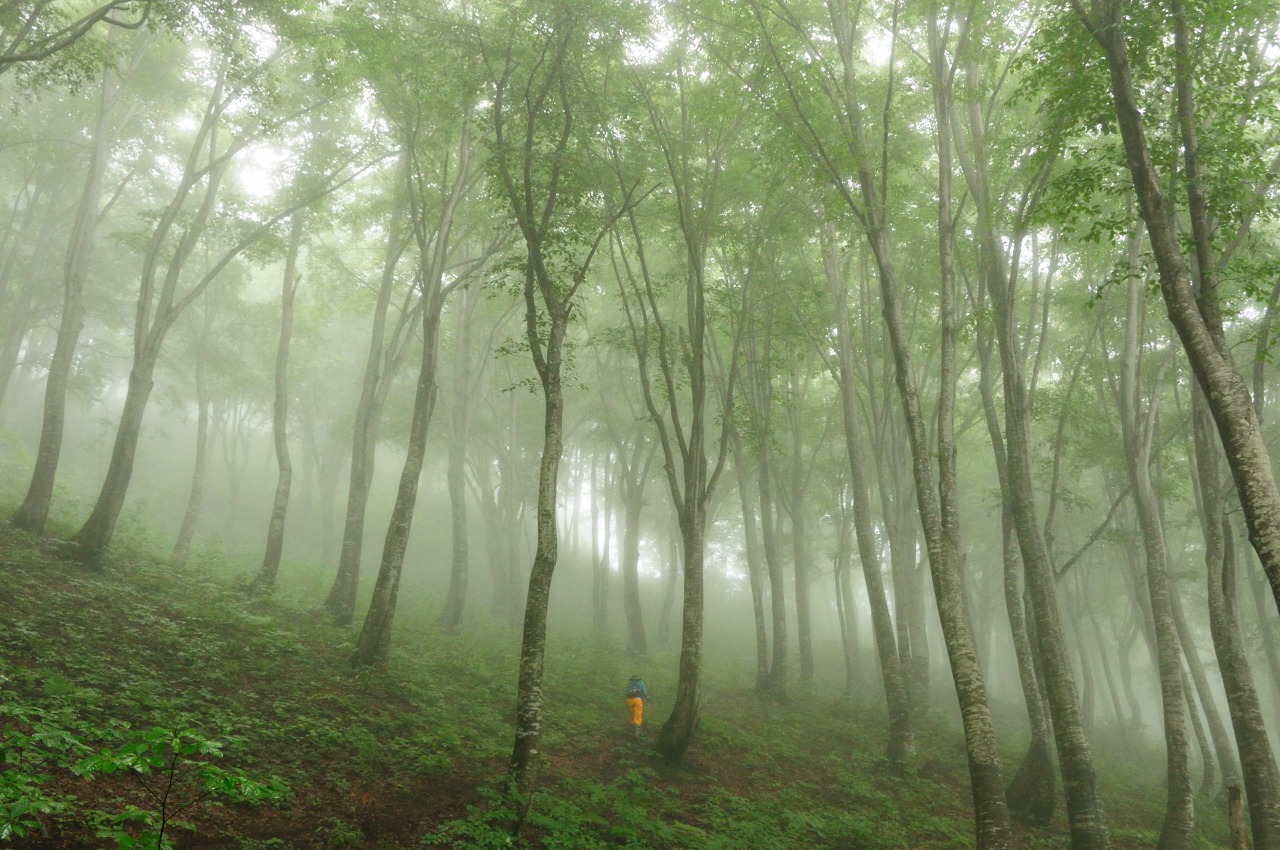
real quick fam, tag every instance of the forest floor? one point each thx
(141, 694)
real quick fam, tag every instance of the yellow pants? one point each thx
(636, 706)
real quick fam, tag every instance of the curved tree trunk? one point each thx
(1257, 759)
(1223, 751)
(1195, 316)
(375, 633)
(1138, 429)
(265, 580)
(434, 248)
(901, 744)
(533, 645)
(1084, 807)
(341, 601)
(34, 510)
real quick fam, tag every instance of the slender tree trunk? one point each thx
(938, 513)
(18, 232)
(89, 543)
(20, 317)
(1138, 429)
(265, 581)
(601, 520)
(1223, 750)
(182, 547)
(375, 633)
(800, 551)
(1195, 316)
(669, 596)
(533, 646)
(1257, 759)
(1108, 676)
(34, 510)
(777, 583)
(433, 254)
(456, 475)
(755, 579)
(341, 602)
(633, 504)
(1208, 775)
(901, 743)
(1084, 808)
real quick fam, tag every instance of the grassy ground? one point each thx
(141, 694)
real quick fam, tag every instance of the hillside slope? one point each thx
(255, 733)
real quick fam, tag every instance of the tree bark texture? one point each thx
(533, 645)
(1257, 759)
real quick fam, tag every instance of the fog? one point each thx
(558, 324)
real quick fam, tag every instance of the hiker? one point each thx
(637, 696)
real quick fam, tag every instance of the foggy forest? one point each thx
(742, 424)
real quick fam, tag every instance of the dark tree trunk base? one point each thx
(1031, 794)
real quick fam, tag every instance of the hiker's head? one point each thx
(635, 677)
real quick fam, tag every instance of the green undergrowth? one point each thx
(147, 706)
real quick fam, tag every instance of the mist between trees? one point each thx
(939, 333)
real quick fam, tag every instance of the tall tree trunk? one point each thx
(601, 521)
(375, 633)
(938, 511)
(341, 601)
(1239, 428)
(669, 595)
(1223, 750)
(34, 510)
(901, 744)
(265, 581)
(434, 252)
(182, 546)
(846, 609)
(1195, 315)
(1208, 758)
(632, 506)
(754, 555)
(677, 732)
(17, 232)
(533, 646)
(800, 543)
(1139, 430)
(456, 475)
(1257, 759)
(773, 562)
(1084, 808)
